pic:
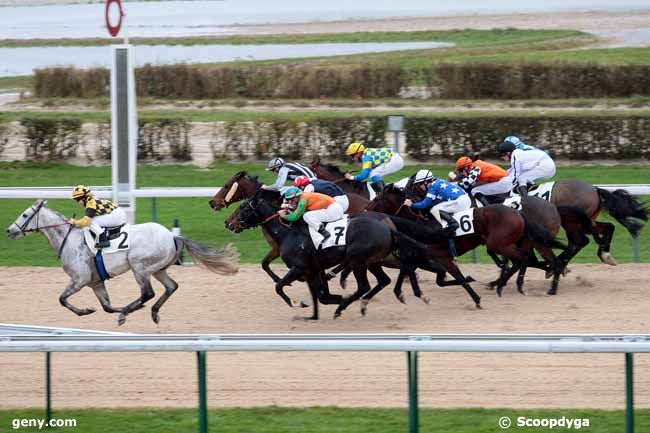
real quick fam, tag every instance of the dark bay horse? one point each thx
(368, 241)
(334, 174)
(242, 186)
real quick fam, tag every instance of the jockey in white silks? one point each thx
(528, 163)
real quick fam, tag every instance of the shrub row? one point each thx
(461, 81)
(426, 138)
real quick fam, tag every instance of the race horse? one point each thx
(242, 186)
(334, 174)
(152, 250)
(367, 242)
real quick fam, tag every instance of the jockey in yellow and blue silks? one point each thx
(442, 197)
(375, 163)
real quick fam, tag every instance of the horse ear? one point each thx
(239, 174)
(316, 161)
(475, 156)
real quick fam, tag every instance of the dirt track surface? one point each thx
(592, 299)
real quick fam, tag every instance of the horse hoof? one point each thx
(522, 291)
(121, 320)
(548, 274)
(478, 307)
(426, 300)
(337, 314)
(499, 291)
(608, 259)
(493, 284)
(401, 298)
(303, 304)
(155, 317)
(470, 279)
(565, 271)
(343, 284)
(552, 292)
(363, 310)
(330, 275)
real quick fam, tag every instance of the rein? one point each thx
(36, 214)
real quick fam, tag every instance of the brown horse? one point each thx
(334, 174)
(242, 186)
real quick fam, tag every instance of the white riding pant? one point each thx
(343, 201)
(460, 204)
(113, 219)
(502, 186)
(395, 164)
(544, 169)
(331, 213)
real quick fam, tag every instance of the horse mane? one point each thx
(245, 174)
(333, 168)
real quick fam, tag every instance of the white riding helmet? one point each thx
(423, 176)
(513, 139)
(275, 163)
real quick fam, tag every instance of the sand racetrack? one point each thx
(592, 299)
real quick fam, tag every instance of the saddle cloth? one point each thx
(465, 220)
(337, 230)
(118, 236)
(543, 191)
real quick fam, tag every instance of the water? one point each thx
(22, 61)
(195, 18)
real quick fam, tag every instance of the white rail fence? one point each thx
(410, 344)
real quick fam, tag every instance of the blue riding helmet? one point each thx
(292, 192)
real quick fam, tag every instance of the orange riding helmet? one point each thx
(463, 162)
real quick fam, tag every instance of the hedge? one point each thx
(426, 138)
(457, 81)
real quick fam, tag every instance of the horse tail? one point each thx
(223, 261)
(542, 235)
(578, 215)
(624, 208)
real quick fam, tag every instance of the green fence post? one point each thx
(474, 258)
(412, 361)
(629, 393)
(203, 401)
(48, 387)
(154, 209)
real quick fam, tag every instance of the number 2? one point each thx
(123, 244)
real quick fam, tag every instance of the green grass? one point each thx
(462, 38)
(12, 83)
(601, 56)
(199, 222)
(199, 115)
(319, 420)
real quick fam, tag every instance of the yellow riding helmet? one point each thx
(463, 162)
(80, 191)
(355, 148)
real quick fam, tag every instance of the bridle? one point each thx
(37, 211)
(268, 219)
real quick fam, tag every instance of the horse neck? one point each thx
(274, 227)
(54, 235)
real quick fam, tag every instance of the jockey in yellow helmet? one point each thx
(376, 163)
(98, 214)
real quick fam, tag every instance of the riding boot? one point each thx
(378, 186)
(522, 190)
(481, 199)
(323, 232)
(452, 226)
(102, 240)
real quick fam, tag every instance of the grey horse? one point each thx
(152, 250)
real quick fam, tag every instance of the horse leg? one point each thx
(313, 290)
(272, 255)
(556, 266)
(146, 293)
(291, 276)
(363, 286)
(72, 288)
(606, 231)
(577, 240)
(170, 287)
(454, 271)
(324, 295)
(102, 296)
(333, 272)
(520, 278)
(382, 281)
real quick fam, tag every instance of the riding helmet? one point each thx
(423, 176)
(275, 163)
(80, 191)
(292, 192)
(355, 148)
(463, 162)
(301, 181)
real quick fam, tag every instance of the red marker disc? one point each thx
(113, 30)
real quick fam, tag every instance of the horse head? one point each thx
(237, 188)
(324, 171)
(388, 201)
(254, 211)
(27, 222)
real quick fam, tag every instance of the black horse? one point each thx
(368, 241)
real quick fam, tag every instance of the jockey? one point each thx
(323, 187)
(286, 171)
(446, 198)
(528, 163)
(482, 178)
(313, 207)
(375, 163)
(99, 214)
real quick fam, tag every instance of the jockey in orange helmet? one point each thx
(482, 178)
